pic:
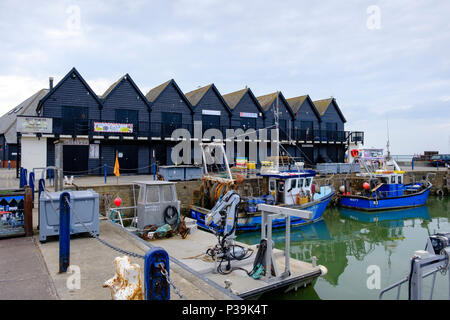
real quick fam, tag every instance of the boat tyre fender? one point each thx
(172, 217)
(375, 202)
(440, 192)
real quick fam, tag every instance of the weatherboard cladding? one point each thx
(304, 111)
(245, 104)
(329, 113)
(209, 100)
(70, 93)
(269, 104)
(125, 96)
(169, 100)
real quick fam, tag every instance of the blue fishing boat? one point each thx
(290, 188)
(384, 188)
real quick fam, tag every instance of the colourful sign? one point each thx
(113, 127)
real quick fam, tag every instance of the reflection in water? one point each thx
(348, 241)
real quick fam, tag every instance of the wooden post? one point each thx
(28, 212)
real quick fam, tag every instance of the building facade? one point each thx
(88, 131)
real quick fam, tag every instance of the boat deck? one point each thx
(191, 251)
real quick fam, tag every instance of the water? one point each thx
(347, 242)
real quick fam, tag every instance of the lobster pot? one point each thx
(343, 167)
(327, 168)
(355, 167)
(84, 210)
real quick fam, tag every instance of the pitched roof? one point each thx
(73, 72)
(297, 102)
(156, 91)
(26, 108)
(233, 98)
(268, 100)
(116, 84)
(196, 95)
(323, 105)
(111, 88)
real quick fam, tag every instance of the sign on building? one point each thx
(113, 127)
(34, 125)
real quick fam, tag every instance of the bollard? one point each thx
(105, 171)
(412, 164)
(156, 285)
(31, 183)
(64, 232)
(25, 173)
(50, 176)
(41, 188)
(154, 170)
(9, 164)
(28, 213)
(21, 178)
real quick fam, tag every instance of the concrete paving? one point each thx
(23, 272)
(95, 262)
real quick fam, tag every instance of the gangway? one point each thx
(435, 258)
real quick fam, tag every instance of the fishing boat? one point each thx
(384, 188)
(292, 188)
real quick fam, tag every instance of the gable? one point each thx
(70, 89)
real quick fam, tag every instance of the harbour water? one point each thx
(354, 246)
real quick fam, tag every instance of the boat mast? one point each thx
(387, 144)
(277, 153)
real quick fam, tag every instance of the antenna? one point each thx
(388, 144)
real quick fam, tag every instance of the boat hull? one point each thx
(369, 204)
(253, 222)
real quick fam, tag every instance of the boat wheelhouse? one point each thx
(385, 188)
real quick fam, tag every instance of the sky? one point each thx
(387, 63)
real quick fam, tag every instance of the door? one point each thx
(75, 120)
(128, 158)
(170, 122)
(210, 122)
(75, 160)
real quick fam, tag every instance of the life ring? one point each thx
(354, 152)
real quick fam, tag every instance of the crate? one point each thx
(172, 173)
(343, 167)
(327, 168)
(193, 173)
(84, 203)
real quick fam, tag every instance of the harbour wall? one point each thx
(186, 190)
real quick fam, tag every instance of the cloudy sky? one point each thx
(384, 61)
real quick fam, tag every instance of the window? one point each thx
(272, 185)
(248, 123)
(152, 194)
(392, 179)
(308, 182)
(293, 183)
(167, 193)
(127, 116)
(210, 122)
(400, 179)
(75, 120)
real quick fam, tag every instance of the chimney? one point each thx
(50, 80)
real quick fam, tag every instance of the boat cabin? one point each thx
(155, 197)
(290, 188)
